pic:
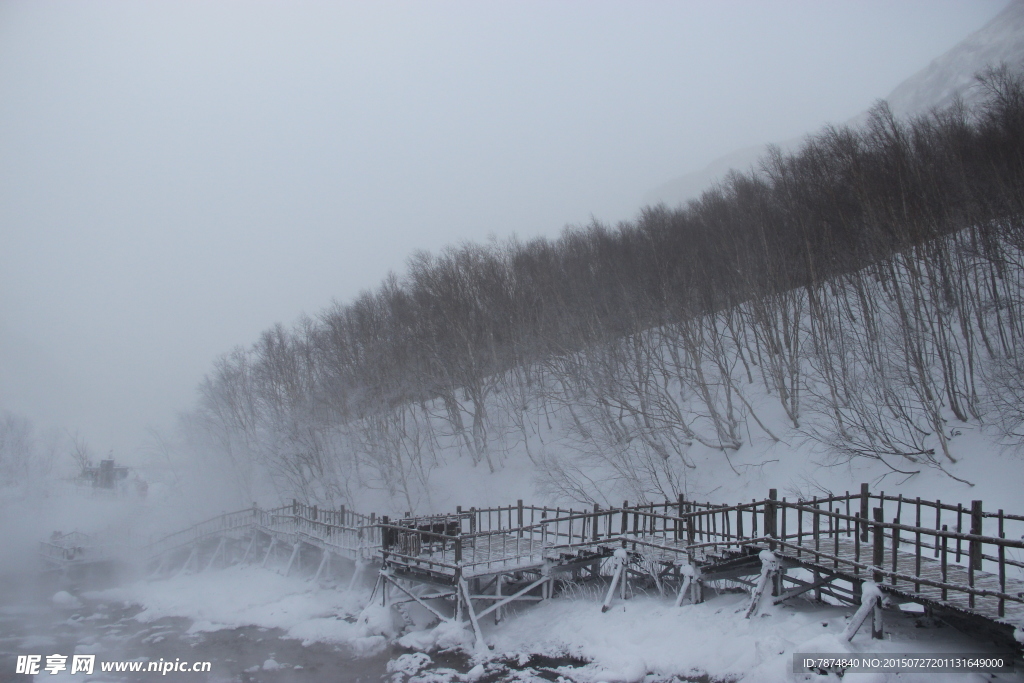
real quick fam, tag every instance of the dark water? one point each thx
(31, 624)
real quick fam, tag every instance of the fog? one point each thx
(176, 177)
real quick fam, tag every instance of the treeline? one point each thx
(870, 284)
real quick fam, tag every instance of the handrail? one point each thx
(520, 533)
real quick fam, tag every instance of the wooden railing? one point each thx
(928, 550)
(924, 549)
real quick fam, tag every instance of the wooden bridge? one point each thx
(962, 564)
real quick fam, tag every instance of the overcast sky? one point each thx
(176, 177)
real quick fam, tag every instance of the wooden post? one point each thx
(625, 520)
(679, 528)
(315, 512)
(799, 528)
(691, 529)
(945, 549)
(857, 524)
(342, 512)
(594, 530)
(1002, 568)
(895, 547)
(975, 548)
(959, 528)
(879, 542)
(385, 535)
(519, 521)
(782, 532)
(917, 545)
(865, 497)
(816, 517)
(876, 620)
(847, 513)
(835, 538)
(771, 523)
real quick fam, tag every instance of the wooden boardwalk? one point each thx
(918, 579)
(947, 564)
(953, 559)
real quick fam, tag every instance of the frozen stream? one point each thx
(31, 623)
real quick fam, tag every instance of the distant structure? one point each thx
(106, 475)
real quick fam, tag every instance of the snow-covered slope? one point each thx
(952, 74)
(949, 75)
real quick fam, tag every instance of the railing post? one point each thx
(865, 499)
(315, 512)
(879, 543)
(771, 527)
(385, 536)
(691, 527)
(1002, 568)
(343, 516)
(975, 548)
(519, 519)
(625, 520)
(295, 507)
(679, 523)
(895, 548)
(596, 517)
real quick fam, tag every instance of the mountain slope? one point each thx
(949, 75)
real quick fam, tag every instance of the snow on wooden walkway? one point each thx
(954, 560)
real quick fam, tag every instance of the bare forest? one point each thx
(871, 285)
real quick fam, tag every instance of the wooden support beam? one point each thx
(804, 588)
(422, 601)
(324, 561)
(481, 645)
(193, 556)
(690, 575)
(497, 578)
(219, 549)
(295, 551)
(769, 567)
(519, 595)
(252, 542)
(270, 549)
(619, 570)
(871, 604)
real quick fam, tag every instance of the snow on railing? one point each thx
(964, 557)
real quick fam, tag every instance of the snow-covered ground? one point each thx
(645, 638)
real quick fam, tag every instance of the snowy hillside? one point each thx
(952, 74)
(949, 75)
